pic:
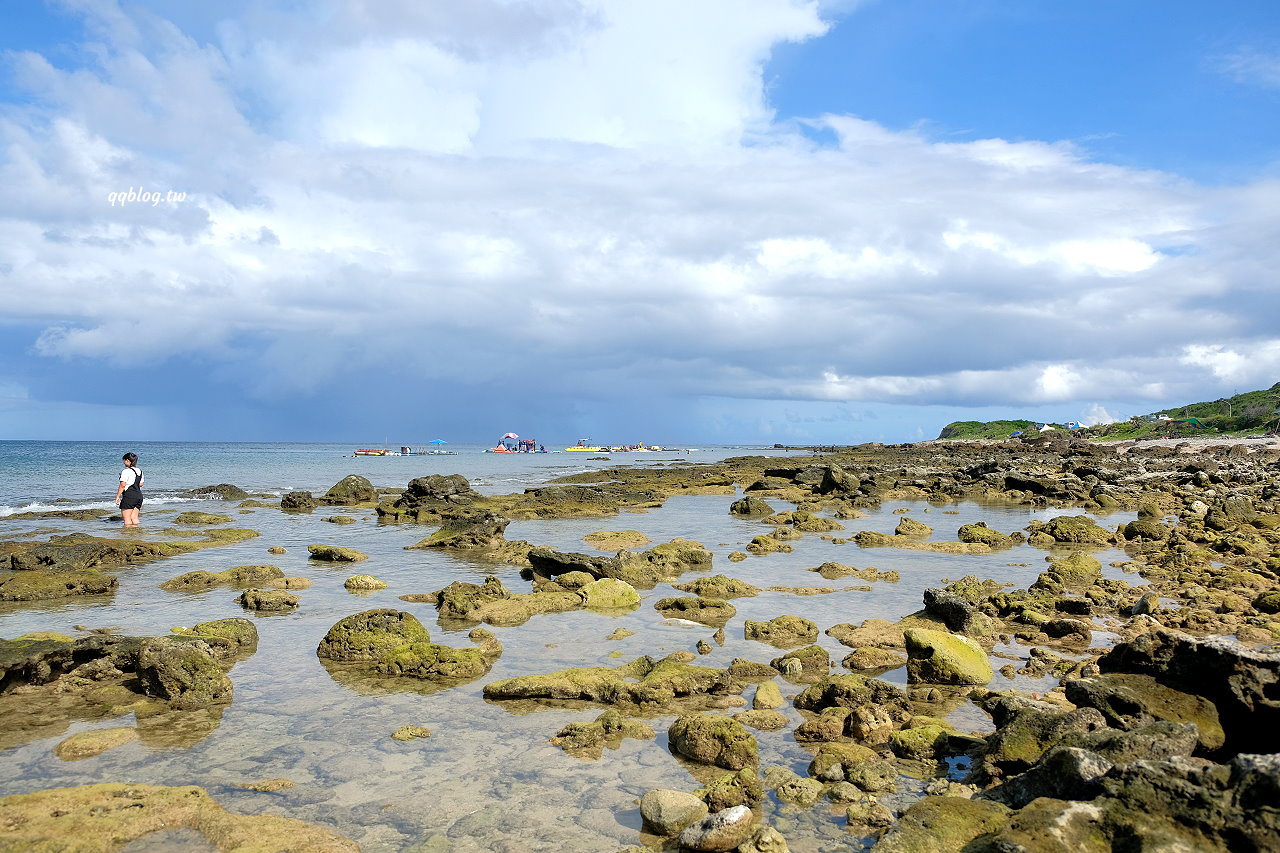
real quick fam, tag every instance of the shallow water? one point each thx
(488, 779)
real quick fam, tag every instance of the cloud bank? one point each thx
(595, 197)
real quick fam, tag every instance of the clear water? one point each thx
(488, 779)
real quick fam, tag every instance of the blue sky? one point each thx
(713, 222)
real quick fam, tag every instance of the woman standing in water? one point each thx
(129, 494)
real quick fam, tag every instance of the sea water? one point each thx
(488, 779)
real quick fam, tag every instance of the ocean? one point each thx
(83, 474)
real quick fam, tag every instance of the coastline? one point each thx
(1093, 555)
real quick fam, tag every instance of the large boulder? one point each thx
(1132, 701)
(750, 506)
(225, 491)
(1242, 683)
(44, 586)
(936, 657)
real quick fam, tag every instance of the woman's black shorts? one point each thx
(131, 499)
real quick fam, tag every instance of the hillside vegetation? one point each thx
(1250, 413)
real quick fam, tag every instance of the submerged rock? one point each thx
(589, 740)
(201, 580)
(94, 742)
(722, 831)
(201, 518)
(112, 814)
(642, 681)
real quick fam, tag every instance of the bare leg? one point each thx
(130, 517)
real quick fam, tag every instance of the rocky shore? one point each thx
(1155, 730)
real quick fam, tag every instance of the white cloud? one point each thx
(1252, 66)
(598, 196)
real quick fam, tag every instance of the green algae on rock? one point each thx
(200, 580)
(782, 632)
(102, 818)
(94, 742)
(196, 518)
(45, 586)
(707, 611)
(616, 540)
(396, 644)
(267, 600)
(589, 740)
(357, 583)
(936, 657)
(714, 739)
(411, 733)
(182, 671)
(718, 586)
(942, 825)
(643, 681)
(335, 554)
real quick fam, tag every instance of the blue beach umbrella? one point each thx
(437, 441)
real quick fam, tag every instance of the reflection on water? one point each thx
(487, 779)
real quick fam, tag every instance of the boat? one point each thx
(367, 452)
(583, 447)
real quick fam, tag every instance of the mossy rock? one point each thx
(406, 733)
(743, 788)
(609, 594)
(105, 817)
(920, 743)
(872, 539)
(942, 825)
(833, 761)
(750, 506)
(937, 657)
(707, 611)
(1268, 602)
(979, 532)
(335, 554)
(718, 586)
(267, 600)
(616, 540)
(607, 731)
(1073, 530)
(1075, 573)
(768, 697)
(339, 519)
(94, 742)
(808, 662)
(232, 638)
(761, 545)
(434, 662)
(642, 681)
(872, 660)
(195, 518)
(46, 586)
(360, 583)
(351, 489)
(200, 580)
(783, 632)
(911, 527)
(367, 636)
(183, 673)
(715, 740)
(765, 721)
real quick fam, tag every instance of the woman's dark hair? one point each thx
(131, 458)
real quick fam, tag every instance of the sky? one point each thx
(704, 221)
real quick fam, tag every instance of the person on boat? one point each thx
(129, 492)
